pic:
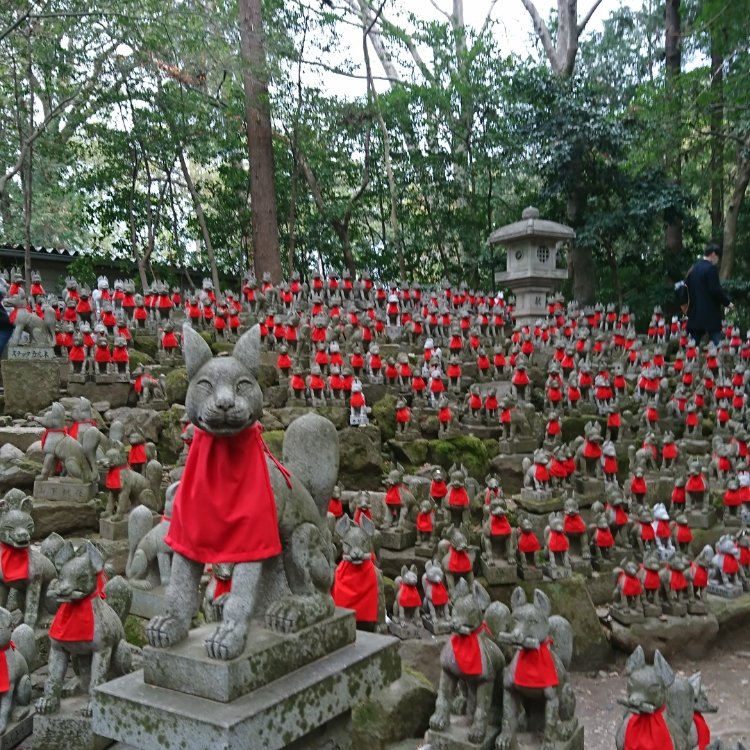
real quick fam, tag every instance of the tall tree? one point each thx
(266, 254)
(673, 71)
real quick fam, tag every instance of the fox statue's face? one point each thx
(16, 523)
(647, 685)
(223, 396)
(78, 573)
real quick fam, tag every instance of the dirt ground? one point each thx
(726, 677)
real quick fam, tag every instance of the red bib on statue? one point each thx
(535, 668)
(648, 732)
(224, 508)
(356, 587)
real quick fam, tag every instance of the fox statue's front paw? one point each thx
(164, 631)
(227, 642)
(48, 704)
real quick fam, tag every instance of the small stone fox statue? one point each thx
(237, 503)
(659, 705)
(17, 657)
(23, 569)
(86, 627)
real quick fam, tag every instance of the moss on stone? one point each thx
(274, 439)
(176, 385)
(146, 344)
(139, 358)
(135, 631)
(222, 347)
(384, 414)
(466, 449)
(412, 452)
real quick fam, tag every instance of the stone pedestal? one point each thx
(579, 565)
(529, 741)
(526, 444)
(676, 609)
(113, 530)
(499, 572)
(404, 631)
(539, 501)
(425, 551)
(456, 736)
(17, 731)
(436, 627)
(306, 708)
(65, 489)
(67, 729)
(397, 539)
(699, 520)
(626, 616)
(530, 573)
(31, 353)
(556, 573)
(726, 591)
(30, 385)
(148, 603)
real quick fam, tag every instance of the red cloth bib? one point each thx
(15, 563)
(74, 621)
(224, 508)
(408, 596)
(459, 562)
(113, 480)
(222, 587)
(438, 489)
(631, 586)
(468, 652)
(499, 526)
(458, 497)
(335, 507)
(4, 677)
(137, 454)
(557, 541)
(648, 732)
(424, 522)
(604, 538)
(73, 430)
(360, 512)
(356, 587)
(704, 733)
(393, 495)
(573, 524)
(439, 594)
(651, 580)
(647, 532)
(700, 576)
(535, 668)
(730, 565)
(677, 581)
(528, 542)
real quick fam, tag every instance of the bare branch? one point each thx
(587, 17)
(542, 32)
(487, 18)
(439, 9)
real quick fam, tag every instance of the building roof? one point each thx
(61, 254)
(531, 226)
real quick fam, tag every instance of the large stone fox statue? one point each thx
(236, 503)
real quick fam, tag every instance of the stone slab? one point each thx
(456, 737)
(439, 627)
(542, 502)
(21, 437)
(113, 530)
(727, 592)
(397, 540)
(31, 353)
(529, 741)
(117, 394)
(518, 445)
(698, 520)
(65, 489)
(268, 655)
(67, 729)
(404, 631)
(20, 398)
(628, 617)
(16, 732)
(154, 718)
(63, 517)
(148, 604)
(499, 574)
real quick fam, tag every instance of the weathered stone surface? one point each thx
(118, 394)
(289, 413)
(467, 450)
(153, 718)
(274, 397)
(339, 415)
(20, 437)
(730, 613)
(175, 385)
(146, 421)
(411, 452)
(18, 473)
(510, 470)
(361, 463)
(384, 414)
(691, 635)
(63, 517)
(148, 603)
(456, 737)
(64, 489)
(67, 729)
(29, 386)
(401, 710)
(16, 732)
(267, 376)
(268, 656)
(423, 657)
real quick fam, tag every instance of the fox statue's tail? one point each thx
(311, 453)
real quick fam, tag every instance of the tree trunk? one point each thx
(581, 263)
(198, 206)
(673, 69)
(259, 143)
(717, 124)
(741, 180)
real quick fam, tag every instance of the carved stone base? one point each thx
(530, 573)
(404, 631)
(64, 488)
(676, 609)
(77, 377)
(456, 737)
(700, 520)
(602, 565)
(581, 566)
(17, 731)
(148, 604)
(499, 572)
(732, 520)
(424, 550)
(529, 741)
(652, 610)
(517, 445)
(539, 501)
(284, 714)
(397, 539)
(105, 378)
(113, 530)
(187, 668)
(590, 487)
(436, 627)
(625, 616)
(67, 728)
(698, 608)
(725, 591)
(556, 573)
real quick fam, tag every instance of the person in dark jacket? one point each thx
(6, 327)
(706, 297)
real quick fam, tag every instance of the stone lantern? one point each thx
(532, 246)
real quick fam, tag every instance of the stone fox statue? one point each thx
(236, 503)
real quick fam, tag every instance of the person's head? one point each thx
(712, 253)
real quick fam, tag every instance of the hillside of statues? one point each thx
(450, 512)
